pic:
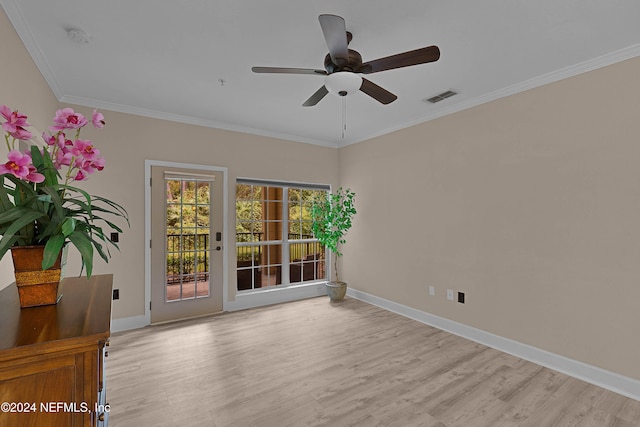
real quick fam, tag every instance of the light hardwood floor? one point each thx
(313, 363)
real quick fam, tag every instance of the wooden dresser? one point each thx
(52, 357)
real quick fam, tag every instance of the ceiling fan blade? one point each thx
(316, 97)
(406, 59)
(376, 92)
(335, 34)
(281, 70)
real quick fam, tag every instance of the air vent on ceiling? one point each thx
(441, 96)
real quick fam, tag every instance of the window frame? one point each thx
(170, 250)
(284, 241)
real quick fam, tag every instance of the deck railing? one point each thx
(188, 254)
(296, 250)
(187, 257)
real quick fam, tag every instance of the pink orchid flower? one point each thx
(50, 139)
(80, 176)
(57, 139)
(19, 165)
(80, 156)
(84, 148)
(87, 167)
(90, 166)
(98, 163)
(63, 158)
(34, 175)
(67, 119)
(15, 123)
(97, 119)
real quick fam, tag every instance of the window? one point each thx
(188, 238)
(274, 242)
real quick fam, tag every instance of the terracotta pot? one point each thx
(36, 286)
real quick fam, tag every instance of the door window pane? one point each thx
(188, 239)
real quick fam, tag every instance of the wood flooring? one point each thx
(313, 363)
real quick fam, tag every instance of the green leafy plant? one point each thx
(332, 215)
(38, 206)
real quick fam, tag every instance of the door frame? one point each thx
(148, 164)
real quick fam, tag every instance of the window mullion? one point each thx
(285, 236)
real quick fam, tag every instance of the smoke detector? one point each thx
(77, 36)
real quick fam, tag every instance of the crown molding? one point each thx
(144, 112)
(554, 76)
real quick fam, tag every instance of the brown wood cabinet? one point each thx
(52, 357)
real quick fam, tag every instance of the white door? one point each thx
(186, 243)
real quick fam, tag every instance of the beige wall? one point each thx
(127, 141)
(23, 88)
(529, 204)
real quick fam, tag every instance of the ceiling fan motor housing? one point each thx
(353, 64)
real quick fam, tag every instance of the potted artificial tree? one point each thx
(332, 214)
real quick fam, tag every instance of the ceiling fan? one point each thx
(343, 65)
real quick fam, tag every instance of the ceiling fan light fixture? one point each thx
(343, 83)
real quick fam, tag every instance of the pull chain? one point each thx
(344, 115)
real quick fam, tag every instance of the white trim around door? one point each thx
(148, 164)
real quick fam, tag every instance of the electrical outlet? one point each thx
(450, 294)
(432, 290)
(116, 294)
(115, 237)
(461, 297)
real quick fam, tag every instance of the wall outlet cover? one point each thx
(432, 290)
(461, 297)
(450, 294)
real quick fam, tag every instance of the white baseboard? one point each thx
(126, 323)
(617, 383)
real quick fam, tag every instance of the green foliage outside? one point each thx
(250, 212)
(187, 205)
(188, 216)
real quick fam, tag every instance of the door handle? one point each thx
(218, 248)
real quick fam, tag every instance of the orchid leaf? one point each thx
(5, 203)
(101, 252)
(52, 250)
(43, 163)
(7, 241)
(83, 243)
(68, 226)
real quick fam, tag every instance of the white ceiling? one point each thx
(166, 59)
